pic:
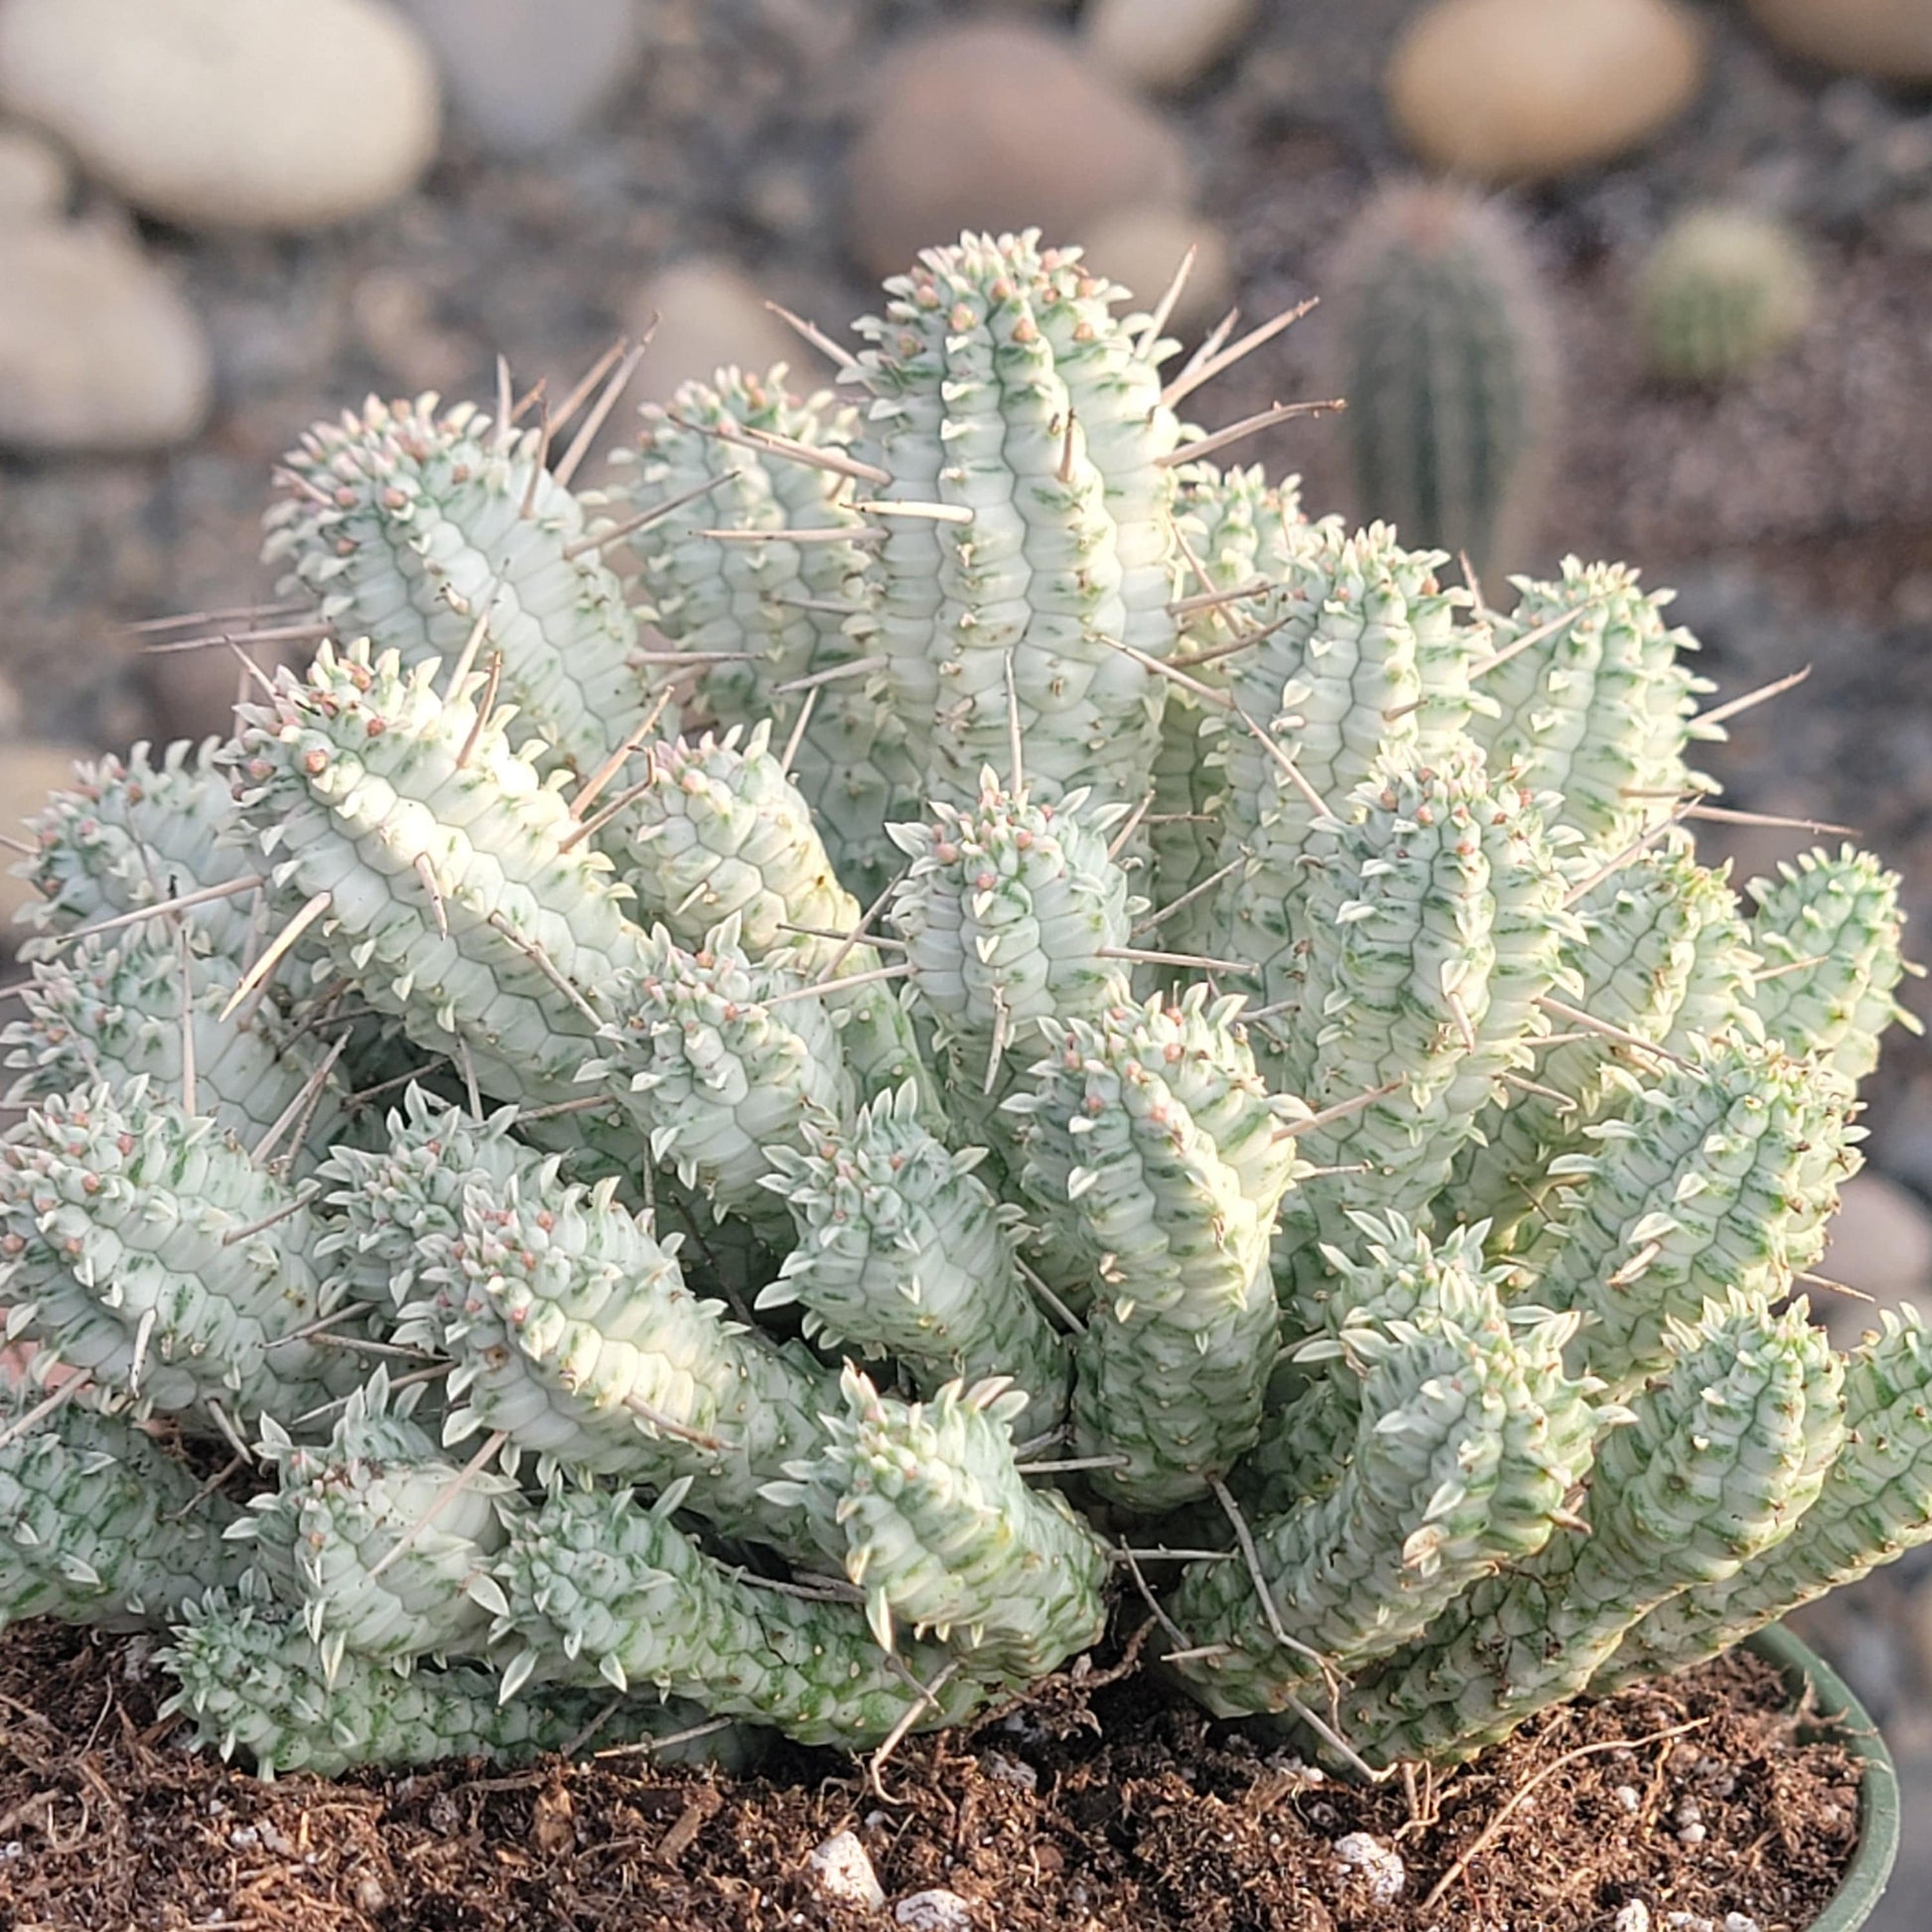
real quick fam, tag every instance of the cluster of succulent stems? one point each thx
(764, 1094)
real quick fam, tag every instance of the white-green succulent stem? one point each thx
(142, 1246)
(1013, 912)
(252, 1679)
(942, 1534)
(905, 1251)
(1173, 1234)
(1827, 930)
(1697, 1486)
(413, 526)
(134, 831)
(1436, 929)
(722, 833)
(771, 612)
(1234, 532)
(462, 898)
(1662, 955)
(383, 1542)
(610, 1591)
(1722, 1175)
(1002, 386)
(389, 1205)
(1874, 1504)
(1468, 1440)
(1600, 710)
(720, 1060)
(1407, 1276)
(98, 1524)
(574, 1333)
(1361, 663)
(150, 1001)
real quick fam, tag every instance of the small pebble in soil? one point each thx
(1629, 1798)
(841, 1870)
(934, 1911)
(1380, 1864)
(1010, 1770)
(1633, 1917)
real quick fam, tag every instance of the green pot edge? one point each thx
(1866, 1877)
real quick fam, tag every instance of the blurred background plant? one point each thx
(220, 218)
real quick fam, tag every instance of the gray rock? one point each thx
(228, 113)
(34, 185)
(1161, 46)
(999, 125)
(709, 315)
(934, 1911)
(525, 75)
(97, 351)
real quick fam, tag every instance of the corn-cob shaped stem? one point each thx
(1468, 1439)
(149, 1001)
(136, 831)
(144, 1248)
(720, 832)
(1436, 926)
(452, 882)
(905, 1251)
(1597, 709)
(414, 528)
(1721, 1175)
(1874, 1504)
(252, 1679)
(1171, 1372)
(574, 1335)
(383, 1543)
(1828, 931)
(726, 1059)
(602, 1588)
(102, 1525)
(1701, 1483)
(1008, 395)
(942, 1534)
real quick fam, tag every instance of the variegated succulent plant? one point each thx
(759, 1084)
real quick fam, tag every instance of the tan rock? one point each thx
(1510, 90)
(1890, 40)
(1159, 45)
(279, 114)
(33, 182)
(999, 125)
(97, 351)
(28, 772)
(1142, 248)
(709, 315)
(1880, 1242)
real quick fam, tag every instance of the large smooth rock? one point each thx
(525, 75)
(709, 315)
(999, 125)
(1159, 44)
(1141, 248)
(1890, 40)
(97, 351)
(33, 182)
(277, 115)
(1514, 91)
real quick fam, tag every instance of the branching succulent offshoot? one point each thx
(759, 1086)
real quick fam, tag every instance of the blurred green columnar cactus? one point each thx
(1444, 347)
(1126, 1008)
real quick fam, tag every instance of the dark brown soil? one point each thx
(1087, 1808)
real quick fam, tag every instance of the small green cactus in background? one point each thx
(1444, 350)
(1722, 291)
(742, 1167)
